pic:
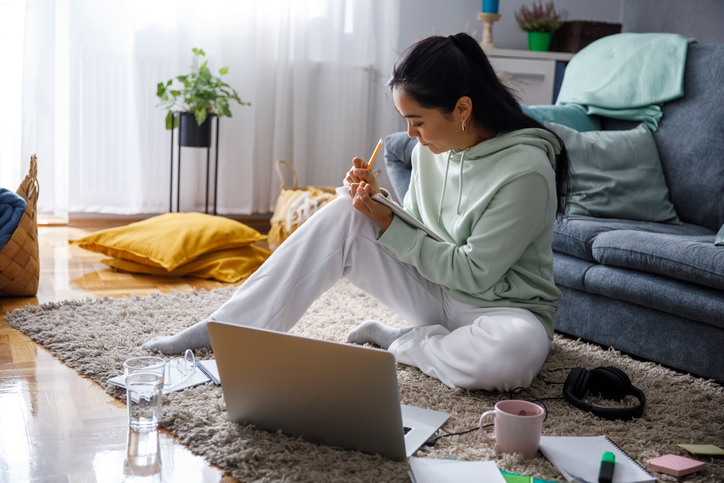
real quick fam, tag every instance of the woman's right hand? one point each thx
(358, 173)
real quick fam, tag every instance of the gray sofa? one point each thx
(652, 290)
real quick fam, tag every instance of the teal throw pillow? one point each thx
(570, 116)
(719, 239)
(616, 174)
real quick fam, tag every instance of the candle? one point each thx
(490, 6)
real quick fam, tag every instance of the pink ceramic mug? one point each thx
(517, 427)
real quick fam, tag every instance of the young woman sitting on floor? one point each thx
(485, 177)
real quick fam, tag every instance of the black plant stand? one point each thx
(178, 171)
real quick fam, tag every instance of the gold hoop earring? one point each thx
(463, 125)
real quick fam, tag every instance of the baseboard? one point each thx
(99, 221)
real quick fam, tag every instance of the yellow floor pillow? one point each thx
(230, 265)
(171, 240)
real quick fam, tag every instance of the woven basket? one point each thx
(574, 35)
(289, 212)
(19, 267)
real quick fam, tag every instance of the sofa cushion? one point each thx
(574, 234)
(616, 174)
(690, 140)
(570, 271)
(691, 258)
(651, 334)
(685, 299)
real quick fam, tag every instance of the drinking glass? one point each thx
(144, 386)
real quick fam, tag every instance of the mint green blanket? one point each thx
(627, 76)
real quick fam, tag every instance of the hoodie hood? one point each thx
(534, 137)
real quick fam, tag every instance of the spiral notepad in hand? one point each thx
(405, 216)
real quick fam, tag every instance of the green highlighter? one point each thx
(512, 478)
(608, 462)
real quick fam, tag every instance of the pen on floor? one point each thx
(608, 462)
(373, 157)
(209, 375)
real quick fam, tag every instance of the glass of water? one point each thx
(144, 386)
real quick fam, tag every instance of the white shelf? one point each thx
(529, 54)
(530, 73)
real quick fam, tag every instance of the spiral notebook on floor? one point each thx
(207, 372)
(405, 216)
(578, 458)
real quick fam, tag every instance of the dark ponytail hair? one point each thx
(437, 71)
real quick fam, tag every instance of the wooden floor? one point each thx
(57, 426)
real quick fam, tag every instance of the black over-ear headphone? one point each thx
(609, 382)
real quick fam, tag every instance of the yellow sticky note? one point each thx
(701, 448)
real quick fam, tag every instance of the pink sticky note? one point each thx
(672, 464)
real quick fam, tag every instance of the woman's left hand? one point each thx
(379, 213)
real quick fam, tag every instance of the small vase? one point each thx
(539, 41)
(193, 135)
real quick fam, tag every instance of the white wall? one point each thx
(422, 18)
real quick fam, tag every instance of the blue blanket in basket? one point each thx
(12, 207)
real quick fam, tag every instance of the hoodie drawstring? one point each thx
(460, 181)
(444, 183)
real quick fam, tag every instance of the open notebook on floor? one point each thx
(578, 458)
(431, 470)
(326, 392)
(205, 372)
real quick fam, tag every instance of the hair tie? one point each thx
(455, 40)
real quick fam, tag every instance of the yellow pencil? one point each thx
(373, 157)
(374, 154)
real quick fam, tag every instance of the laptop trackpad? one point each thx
(422, 423)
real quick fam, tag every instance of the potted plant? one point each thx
(201, 96)
(540, 21)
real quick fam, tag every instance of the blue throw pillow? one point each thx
(569, 116)
(616, 174)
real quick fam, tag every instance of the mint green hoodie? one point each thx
(494, 204)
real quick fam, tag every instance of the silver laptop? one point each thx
(326, 392)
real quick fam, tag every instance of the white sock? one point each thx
(375, 332)
(194, 337)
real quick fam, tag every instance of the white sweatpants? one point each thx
(459, 344)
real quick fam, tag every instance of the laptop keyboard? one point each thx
(406, 429)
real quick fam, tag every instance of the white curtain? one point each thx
(313, 70)
(12, 14)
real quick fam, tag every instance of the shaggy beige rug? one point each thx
(95, 336)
